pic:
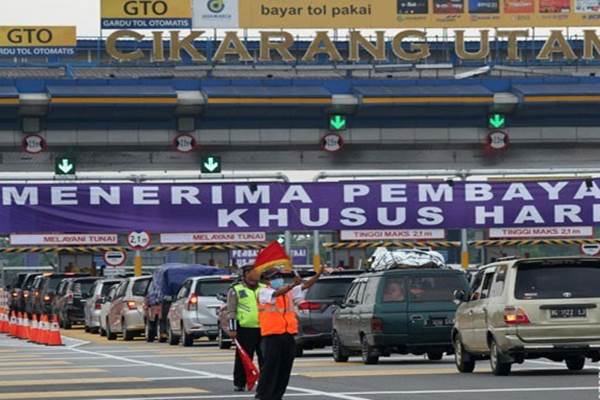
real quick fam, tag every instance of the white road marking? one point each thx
(557, 364)
(495, 390)
(177, 378)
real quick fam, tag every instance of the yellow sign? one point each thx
(146, 14)
(398, 14)
(38, 36)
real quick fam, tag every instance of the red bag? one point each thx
(252, 373)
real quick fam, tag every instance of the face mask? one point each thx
(277, 283)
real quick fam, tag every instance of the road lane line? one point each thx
(177, 378)
(77, 381)
(216, 376)
(28, 371)
(557, 364)
(35, 363)
(494, 390)
(93, 393)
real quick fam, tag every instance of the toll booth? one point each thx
(493, 249)
(355, 254)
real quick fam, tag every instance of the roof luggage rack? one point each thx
(384, 259)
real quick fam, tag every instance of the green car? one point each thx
(405, 311)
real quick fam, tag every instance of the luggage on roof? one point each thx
(384, 259)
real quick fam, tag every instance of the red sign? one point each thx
(497, 140)
(139, 240)
(34, 144)
(115, 258)
(332, 142)
(184, 143)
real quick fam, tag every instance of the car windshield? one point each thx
(53, 282)
(29, 282)
(212, 288)
(329, 289)
(140, 287)
(434, 288)
(84, 287)
(578, 280)
(106, 286)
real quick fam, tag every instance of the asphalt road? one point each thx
(90, 367)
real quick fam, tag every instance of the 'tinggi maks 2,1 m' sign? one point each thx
(146, 14)
(37, 40)
(277, 14)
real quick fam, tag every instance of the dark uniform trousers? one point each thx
(279, 352)
(249, 338)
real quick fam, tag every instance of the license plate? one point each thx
(568, 313)
(435, 322)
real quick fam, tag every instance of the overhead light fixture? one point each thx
(186, 124)
(31, 125)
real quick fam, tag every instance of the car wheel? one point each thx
(102, 332)
(339, 353)
(463, 360)
(109, 334)
(127, 335)
(223, 344)
(435, 355)
(150, 331)
(299, 351)
(575, 363)
(66, 323)
(186, 340)
(161, 332)
(499, 367)
(171, 338)
(94, 330)
(368, 353)
(87, 329)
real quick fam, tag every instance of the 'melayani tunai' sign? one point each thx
(408, 45)
(303, 206)
(37, 40)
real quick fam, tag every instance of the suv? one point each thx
(530, 308)
(93, 305)
(397, 311)
(16, 291)
(126, 310)
(194, 313)
(25, 293)
(316, 311)
(46, 290)
(70, 299)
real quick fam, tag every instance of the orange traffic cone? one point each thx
(54, 338)
(3, 321)
(44, 330)
(12, 326)
(20, 325)
(26, 327)
(33, 333)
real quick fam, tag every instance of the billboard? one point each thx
(37, 40)
(146, 14)
(393, 14)
(275, 207)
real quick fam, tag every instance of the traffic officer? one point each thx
(278, 325)
(242, 311)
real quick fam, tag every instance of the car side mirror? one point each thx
(460, 296)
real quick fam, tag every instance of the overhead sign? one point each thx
(541, 232)
(345, 14)
(65, 165)
(33, 144)
(115, 258)
(37, 40)
(146, 14)
(212, 237)
(139, 240)
(211, 164)
(279, 206)
(498, 140)
(332, 142)
(590, 249)
(497, 121)
(184, 143)
(75, 239)
(244, 257)
(393, 234)
(337, 122)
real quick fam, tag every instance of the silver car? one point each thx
(93, 304)
(126, 311)
(194, 313)
(106, 300)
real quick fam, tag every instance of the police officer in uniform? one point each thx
(242, 311)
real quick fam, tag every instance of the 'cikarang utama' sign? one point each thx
(408, 45)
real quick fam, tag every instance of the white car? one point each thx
(126, 312)
(194, 313)
(93, 305)
(106, 300)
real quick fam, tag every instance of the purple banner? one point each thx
(240, 207)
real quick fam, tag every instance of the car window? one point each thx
(184, 291)
(140, 287)
(84, 287)
(53, 283)
(559, 281)
(351, 295)
(112, 293)
(370, 296)
(107, 286)
(394, 290)
(212, 289)
(329, 289)
(121, 289)
(487, 284)
(360, 294)
(498, 284)
(434, 288)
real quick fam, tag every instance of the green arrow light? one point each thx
(64, 166)
(497, 121)
(211, 164)
(337, 122)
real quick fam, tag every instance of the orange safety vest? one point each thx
(278, 318)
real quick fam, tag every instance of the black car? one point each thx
(69, 302)
(16, 287)
(316, 311)
(26, 293)
(46, 290)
